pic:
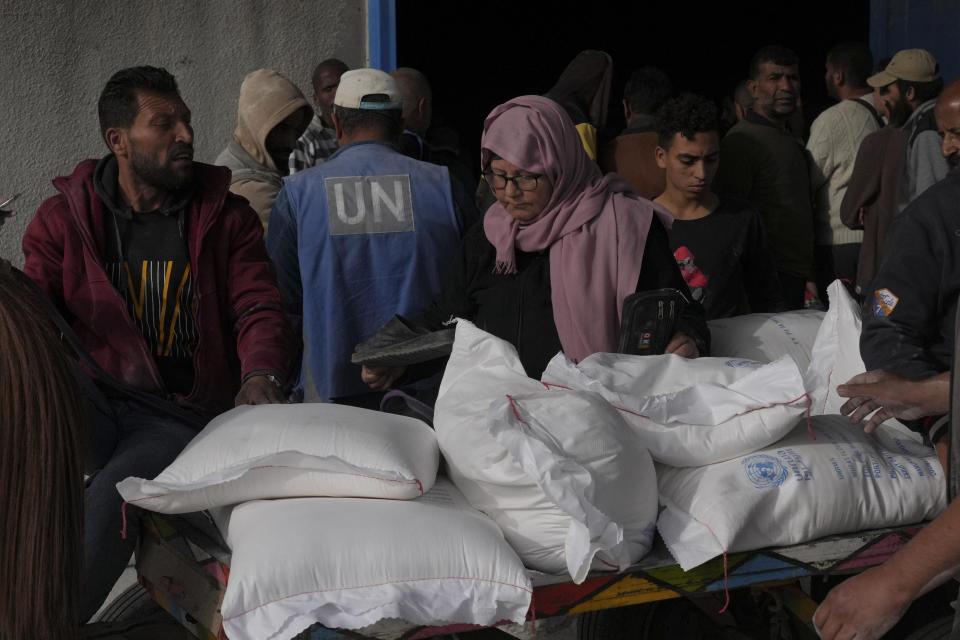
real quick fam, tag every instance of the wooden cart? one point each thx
(184, 566)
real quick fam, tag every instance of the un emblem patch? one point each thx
(884, 302)
(764, 471)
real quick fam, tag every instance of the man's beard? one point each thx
(774, 111)
(899, 112)
(158, 175)
(953, 160)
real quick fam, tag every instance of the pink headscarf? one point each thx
(594, 226)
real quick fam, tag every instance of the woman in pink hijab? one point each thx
(550, 265)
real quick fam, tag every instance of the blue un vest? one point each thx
(376, 232)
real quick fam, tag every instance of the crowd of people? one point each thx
(186, 288)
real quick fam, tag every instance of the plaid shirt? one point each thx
(315, 145)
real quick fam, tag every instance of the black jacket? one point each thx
(519, 308)
(909, 311)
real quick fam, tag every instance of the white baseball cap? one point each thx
(358, 84)
(912, 65)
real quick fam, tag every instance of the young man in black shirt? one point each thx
(719, 243)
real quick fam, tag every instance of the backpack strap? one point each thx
(872, 109)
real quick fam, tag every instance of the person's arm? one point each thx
(901, 314)
(864, 185)
(43, 250)
(867, 605)
(659, 271)
(282, 248)
(927, 161)
(759, 271)
(259, 319)
(870, 603)
(820, 146)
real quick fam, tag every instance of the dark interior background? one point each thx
(479, 54)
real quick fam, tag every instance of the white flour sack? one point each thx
(560, 471)
(349, 562)
(293, 450)
(798, 490)
(764, 337)
(692, 412)
(836, 352)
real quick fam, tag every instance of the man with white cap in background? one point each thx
(897, 163)
(364, 236)
(907, 89)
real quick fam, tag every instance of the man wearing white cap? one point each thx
(907, 89)
(897, 163)
(366, 235)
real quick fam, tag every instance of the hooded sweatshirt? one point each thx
(266, 99)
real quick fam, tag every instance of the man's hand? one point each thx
(259, 390)
(4, 215)
(682, 345)
(864, 606)
(380, 378)
(892, 396)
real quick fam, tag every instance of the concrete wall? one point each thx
(58, 55)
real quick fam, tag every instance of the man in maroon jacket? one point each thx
(163, 276)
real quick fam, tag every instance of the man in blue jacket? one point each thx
(364, 236)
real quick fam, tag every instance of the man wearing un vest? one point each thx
(364, 236)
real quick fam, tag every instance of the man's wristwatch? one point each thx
(273, 379)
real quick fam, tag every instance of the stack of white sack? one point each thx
(350, 562)
(826, 346)
(293, 450)
(351, 557)
(564, 476)
(835, 357)
(692, 412)
(765, 337)
(800, 489)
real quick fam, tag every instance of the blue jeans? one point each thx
(124, 438)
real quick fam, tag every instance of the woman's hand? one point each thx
(380, 378)
(683, 345)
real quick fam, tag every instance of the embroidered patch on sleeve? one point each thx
(884, 302)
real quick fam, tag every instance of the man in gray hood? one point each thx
(271, 114)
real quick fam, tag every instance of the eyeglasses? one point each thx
(523, 182)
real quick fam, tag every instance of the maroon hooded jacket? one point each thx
(236, 304)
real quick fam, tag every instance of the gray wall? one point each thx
(58, 55)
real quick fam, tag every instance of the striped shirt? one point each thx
(315, 145)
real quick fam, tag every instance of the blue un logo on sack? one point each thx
(740, 363)
(764, 471)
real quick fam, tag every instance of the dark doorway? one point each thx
(479, 54)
